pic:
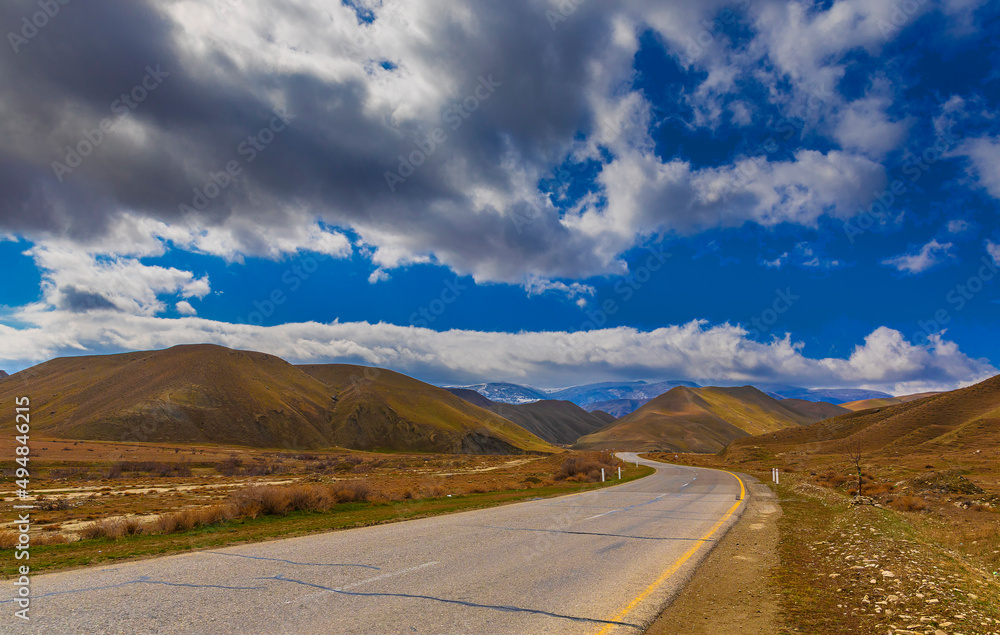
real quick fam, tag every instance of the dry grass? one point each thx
(908, 504)
(586, 468)
(9, 539)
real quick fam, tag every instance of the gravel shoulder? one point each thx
(730, 592)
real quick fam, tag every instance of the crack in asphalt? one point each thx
(495, 607)
(301, 564)
(140, 580)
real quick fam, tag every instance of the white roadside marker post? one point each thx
(619, 472)
(602, 474)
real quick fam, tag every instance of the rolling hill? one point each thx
(967, 419)
(816, 410)
(881, 402)
(212, 394)
(697, 420)
(378, 409)
(554, 421)
(616, 407)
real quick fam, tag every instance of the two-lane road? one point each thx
(602, 561)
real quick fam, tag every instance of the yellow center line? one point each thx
(680, 561)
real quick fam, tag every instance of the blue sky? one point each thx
(535, 192)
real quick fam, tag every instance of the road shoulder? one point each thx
(730, 592)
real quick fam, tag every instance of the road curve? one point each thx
(599, 562)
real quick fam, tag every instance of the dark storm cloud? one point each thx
(79, 301)
(330, 160)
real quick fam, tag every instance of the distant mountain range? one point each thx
(830, 395)
(555, 421)
(503, 392)
(624, 397)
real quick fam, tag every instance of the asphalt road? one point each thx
(604, 561)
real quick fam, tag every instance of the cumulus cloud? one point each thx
(184, 308)
(703, 352)
(983, 155)
(993, 249)
(198, 165)
(924, 258)
(78, 280)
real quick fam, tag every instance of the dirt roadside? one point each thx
(730, 592)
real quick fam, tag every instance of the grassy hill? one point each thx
(865, 404)
(697, 420)
(967, 419)
(378, 409)
(212, 394)
(816, 410)
(553, 420)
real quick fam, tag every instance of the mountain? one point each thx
(503, 392)
(3, 374)
(379, 409)
(881, 402)
(816, 410)
(696, 420)
(831, 395)
(616, 407)
(961, 420)
(212, 394)
(640, 391)
(554, 421)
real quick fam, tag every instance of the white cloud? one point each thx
(184, 308)
(957, 226)
(77, 280)
(719, 353)
(776, 263)
(993, 249)
(537, 286)
(983, 154)
(864, 126)
(928, 256)
(379, 275)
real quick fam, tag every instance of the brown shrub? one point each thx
(8, 539)
(581, 469)
(112, 528)
(908, 504)
(352, 491)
